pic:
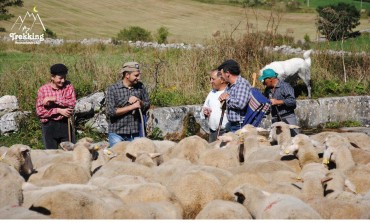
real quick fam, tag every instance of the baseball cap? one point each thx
(130, 66)
(268, 73)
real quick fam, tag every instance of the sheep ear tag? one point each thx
(325, 161)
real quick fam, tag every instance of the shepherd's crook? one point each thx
(223, 108)
(69, 129)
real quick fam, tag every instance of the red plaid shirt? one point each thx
(65, 97)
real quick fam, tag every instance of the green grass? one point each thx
(315, 3)
(359, 44)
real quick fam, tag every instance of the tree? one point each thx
(336, 22)
(4, 13)
(162, 34)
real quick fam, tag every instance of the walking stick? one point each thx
(142, 123)
(69, 130)
(223, 108)
(254, 75)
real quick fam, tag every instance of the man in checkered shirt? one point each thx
(124, 99)
(236, 95)
(54, 105)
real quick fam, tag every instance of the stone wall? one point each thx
(178, 122)
(311, 113)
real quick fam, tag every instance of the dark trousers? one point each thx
(213, 134)
(55, 132)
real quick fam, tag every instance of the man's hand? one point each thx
(133, 99)
(207, 111)
(47, 100)
(66, 112)
(276, 102)
(223, 97)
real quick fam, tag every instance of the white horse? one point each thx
(290, 70)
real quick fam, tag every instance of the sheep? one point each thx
(18, 212)
(358, 140)
(303, 149)
(115, 167)
(77, 171)
(19, 157)
(193, 189)
(41, 157)
(189, 148)
(171, 168)
(220, 209)
(81, 205)
(222, 158)
(114, 183)
(264, 205)
(146, 159)
(337, 151)
(143, 192)
(280, 133)
(72, 201)
(10, 186)
(148, 210)
(315, 181)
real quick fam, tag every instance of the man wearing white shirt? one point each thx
(212, 106)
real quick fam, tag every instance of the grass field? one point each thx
(187, 21)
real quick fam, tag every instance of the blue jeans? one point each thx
(234, 126)
(115, 138)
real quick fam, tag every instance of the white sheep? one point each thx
(115, 167)
(189, 148)
(194, 189)
(18, 212)
(148, 210)
(221, 209)
(72, 201)
(264, 205)
(337, 151)
(77, 171)
(19, 157)
(10, 186)
(280, 133)
(302, 147)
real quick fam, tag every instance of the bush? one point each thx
(48, 33)
(162, 34)
(134, 33)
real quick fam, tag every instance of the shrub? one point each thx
(134, 33)
(162, 34)
(48, 33)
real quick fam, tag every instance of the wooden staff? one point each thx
(254, 76)
(223, 108)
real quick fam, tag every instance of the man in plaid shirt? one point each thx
(236, 95)
(54, 105)
(123, 99)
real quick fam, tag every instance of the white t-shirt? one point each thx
(214, 104)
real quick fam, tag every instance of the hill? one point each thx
(188, 21)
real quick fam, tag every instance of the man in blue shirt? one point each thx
(282, 99)
(236, 95)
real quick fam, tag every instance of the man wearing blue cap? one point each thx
(282, 98)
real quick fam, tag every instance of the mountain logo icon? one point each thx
(23, 26)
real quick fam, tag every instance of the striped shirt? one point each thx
(283, 91)
(117, 97)
(65, 97)
(239, 94)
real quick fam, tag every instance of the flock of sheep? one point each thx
(252, 174)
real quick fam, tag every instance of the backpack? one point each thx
(257, 107)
